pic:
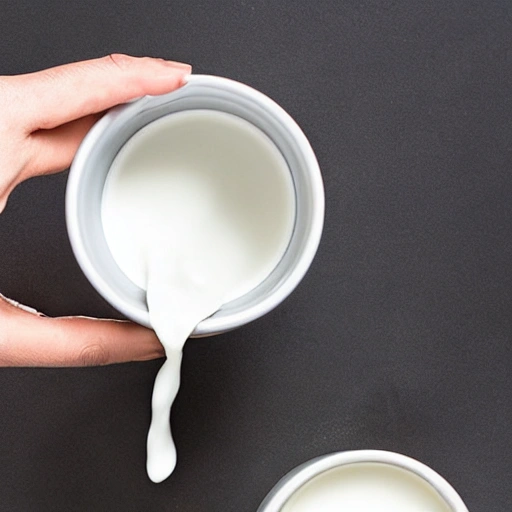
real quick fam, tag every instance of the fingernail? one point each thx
(184, 79)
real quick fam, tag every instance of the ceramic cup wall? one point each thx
(99, 148)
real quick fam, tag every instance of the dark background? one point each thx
(400, 336)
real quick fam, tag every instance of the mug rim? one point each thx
(298, 477)
(213, 324)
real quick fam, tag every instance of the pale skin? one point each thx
(44, 117)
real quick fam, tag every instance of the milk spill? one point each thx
(198, 209)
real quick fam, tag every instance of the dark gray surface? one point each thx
(400, 335)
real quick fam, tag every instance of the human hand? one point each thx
(44, 117)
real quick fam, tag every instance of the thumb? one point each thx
(28, 339)
(56, 96)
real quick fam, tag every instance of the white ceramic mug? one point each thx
(101, 145)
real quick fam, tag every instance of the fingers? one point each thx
(46, 114)
(27, 339)
(65, 93)
(55, 149)
(92, 342)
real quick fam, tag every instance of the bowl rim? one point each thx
(304, 473)
(213, 324)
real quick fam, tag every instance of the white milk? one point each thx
(198, 209)
(366, 487)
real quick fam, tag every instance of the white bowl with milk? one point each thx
(270, 133)
(363, 481)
